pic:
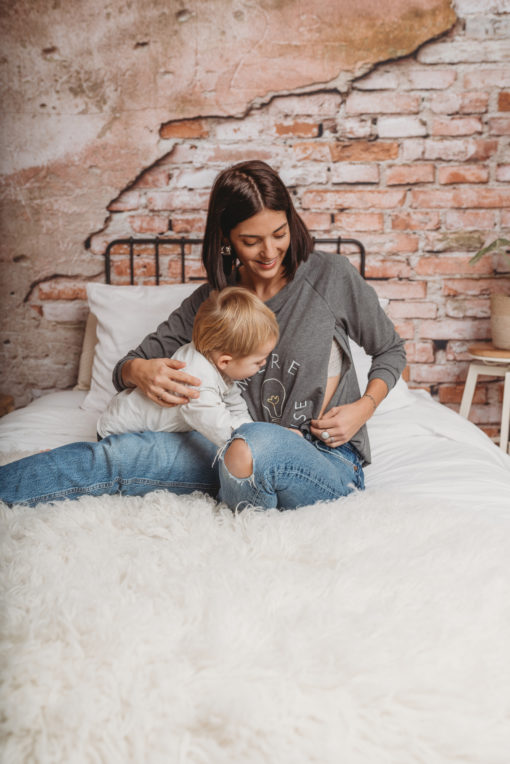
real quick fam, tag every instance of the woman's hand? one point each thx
(342, 422)
(160, 380)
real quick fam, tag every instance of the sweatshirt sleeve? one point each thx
(170, 335)
(209, 415)
(369, 326)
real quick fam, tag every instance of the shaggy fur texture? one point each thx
(371, 630)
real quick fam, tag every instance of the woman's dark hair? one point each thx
(239, 193)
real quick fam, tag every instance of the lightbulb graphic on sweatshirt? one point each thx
(273, 398)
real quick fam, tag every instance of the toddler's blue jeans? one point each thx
(288, 472)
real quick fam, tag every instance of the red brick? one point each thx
(401, 290)
(428, 78)
(434, 373)
(505, 219)
(318, 151)
(58, 289)
(474, 102)
(359, 151)
(126, 202)
(411, 309)
(347, 151)
(148, 224)
(156, 177)
(492, 431)
(447, 102)
(382, 268)
(463, 174)
(297, 129)
(483, 149)
(317, 221)
(355, 127)
(382, 103)
(355, 173)
(185, 128)
(504, 101)
(452, 328)
(419, 352)
(67, 312)
(142, 268)
(468, 197)
(451, 265)
(405, 329)
(415, 221)
(499, 126)
(453, 241)
(360, 221)
(182, 199)
(485, 414)
(412, 149)
(466, 219)
(487, 78)
(453, 394)
(400, 127)
(188, 224)
(460, 150)
(459, 126)
(391, 243)
(409, 174)
(457, 350)
(503, 173)
(468, 307)
(231, 154)
(329, 199)
(455, 287)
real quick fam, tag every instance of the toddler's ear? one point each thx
(222, 361)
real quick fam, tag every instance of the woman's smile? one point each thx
(261, 243)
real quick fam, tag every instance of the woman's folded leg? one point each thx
(283, 470)
(131, 464)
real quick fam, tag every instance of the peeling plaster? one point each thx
(84, 95)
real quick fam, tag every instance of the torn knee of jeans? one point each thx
(238, 458)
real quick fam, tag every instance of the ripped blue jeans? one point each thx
(289, 471)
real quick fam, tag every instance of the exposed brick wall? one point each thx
(414, 161)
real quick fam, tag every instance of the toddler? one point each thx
(233, 333)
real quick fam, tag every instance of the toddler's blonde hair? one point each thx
(234, 321)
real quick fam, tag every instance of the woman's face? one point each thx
(261, 243)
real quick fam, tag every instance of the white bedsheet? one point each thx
(48, 422)
(422, 449)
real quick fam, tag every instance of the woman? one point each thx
(309, 441)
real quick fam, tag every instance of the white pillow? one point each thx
(399, 395)
(125, 315)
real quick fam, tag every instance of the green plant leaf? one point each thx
(494, 246)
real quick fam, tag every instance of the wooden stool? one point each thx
(492, 362)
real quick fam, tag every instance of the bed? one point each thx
(372, 629)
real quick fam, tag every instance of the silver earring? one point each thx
(226, 250)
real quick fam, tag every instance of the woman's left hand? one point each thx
(342, 422)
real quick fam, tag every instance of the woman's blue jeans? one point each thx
(288, 471)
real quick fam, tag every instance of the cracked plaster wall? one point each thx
(85, 94)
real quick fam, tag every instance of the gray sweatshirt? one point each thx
(326, 300)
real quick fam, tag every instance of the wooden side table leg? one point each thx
(469, 390)
(505, 414)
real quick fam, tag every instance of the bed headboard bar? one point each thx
(157, 241)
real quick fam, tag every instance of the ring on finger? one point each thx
(325, 435)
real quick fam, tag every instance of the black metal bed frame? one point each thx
(157, 241)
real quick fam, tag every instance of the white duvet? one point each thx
(370, 630)
(421, 448)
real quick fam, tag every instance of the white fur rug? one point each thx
(372, 630)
